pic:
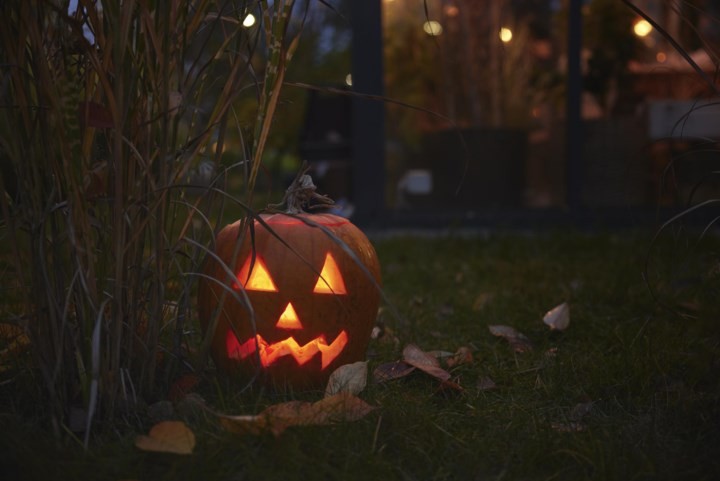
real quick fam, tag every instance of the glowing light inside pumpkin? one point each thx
(269, 353)
(289, 319)
(330, 281)
(259, 279)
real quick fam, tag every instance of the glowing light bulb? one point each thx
(642, 28)
(432, 28)
(249, 21)
(506, 34)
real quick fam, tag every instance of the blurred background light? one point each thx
(432, 28)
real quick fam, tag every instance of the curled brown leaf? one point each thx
(341, 407)
(168, 437)
(427, 363)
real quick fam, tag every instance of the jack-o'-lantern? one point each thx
(314, 303)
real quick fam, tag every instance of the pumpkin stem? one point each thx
(300, 193)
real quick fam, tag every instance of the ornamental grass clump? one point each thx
(113, 120)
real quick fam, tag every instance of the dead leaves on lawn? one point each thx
(557, 319)
(338, 408)
(415, 358)
(341, 403)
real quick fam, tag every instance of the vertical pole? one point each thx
(573, 118)
(368, 116)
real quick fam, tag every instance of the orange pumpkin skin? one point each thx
(330, 316)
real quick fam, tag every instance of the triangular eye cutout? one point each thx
(289, 319)
(330, 281)
(260, 279)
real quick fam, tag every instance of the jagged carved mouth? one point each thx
(269, 353)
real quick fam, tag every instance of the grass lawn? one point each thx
(631, 390)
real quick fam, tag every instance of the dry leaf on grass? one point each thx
(168, 437)
(427, 363)
(392, 370)
(558, 318)
(440, 354)
(518, 341)
(462, 356)
(351, 378)
(485, 384)
(342, 407)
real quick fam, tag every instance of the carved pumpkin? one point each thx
(314, 306)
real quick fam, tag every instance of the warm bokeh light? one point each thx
(451, 10)
(506, 34)
(348, 80)
(432, 28)
(249, 20)
(661, 57)
(642, 28)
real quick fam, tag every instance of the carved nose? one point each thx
(289, 319)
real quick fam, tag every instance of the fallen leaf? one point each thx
(462, 356)
(485, 384)
(168, 437)
(558, 318)
(351, 378)
(518, 341)
(440, 354)
(341, 407)
(392, 370)
(450, 385)
(275, 419)
(568, 427)
(415, 356)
